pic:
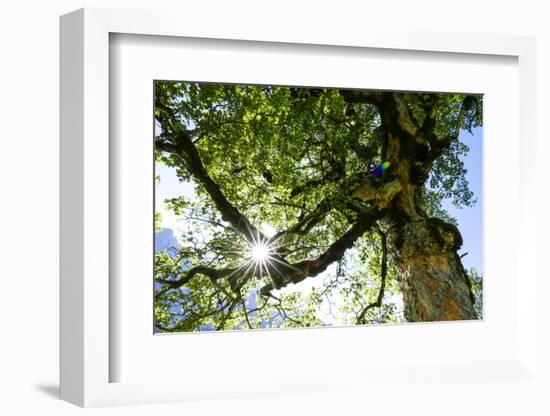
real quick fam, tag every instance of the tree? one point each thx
(302, 162)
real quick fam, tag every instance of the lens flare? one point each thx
(259, 252)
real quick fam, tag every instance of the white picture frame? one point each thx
(136, 61)
(86, 356)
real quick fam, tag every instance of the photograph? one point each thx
(305, 207)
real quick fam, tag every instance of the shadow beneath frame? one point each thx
(51, 390)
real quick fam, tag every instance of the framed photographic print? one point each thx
(257, 202)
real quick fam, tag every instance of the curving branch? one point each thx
(210, 272)
(181, 145)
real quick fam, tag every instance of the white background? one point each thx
(29, 209)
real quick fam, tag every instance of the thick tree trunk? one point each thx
(434, 284)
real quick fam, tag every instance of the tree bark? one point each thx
(434, 284)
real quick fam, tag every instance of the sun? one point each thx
(259, 252)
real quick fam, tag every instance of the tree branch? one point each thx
(439, 145)
(212, 273)
(182, 145)
(359, 96)
(311, 268)
(228, 211)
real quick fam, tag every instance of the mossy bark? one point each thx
(432, 279)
